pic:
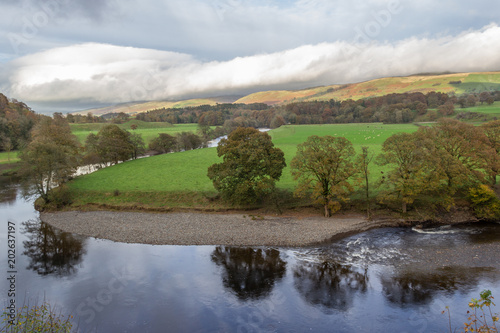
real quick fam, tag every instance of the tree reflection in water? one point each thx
(249, 273)
(417, 288)
(50, 250)
(329, 284)
(8, 194)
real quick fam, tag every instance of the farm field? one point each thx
(493, 109)
(184, 175)
(8, 157)
(146, 129)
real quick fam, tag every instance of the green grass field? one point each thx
(149, 179)
(493, 109)
(146, 129)
(8, 157)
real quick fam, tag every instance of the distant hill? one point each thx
(448, 82)
(459, 83)
(134, 108)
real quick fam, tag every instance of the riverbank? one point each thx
(9, 169)
(212, 229)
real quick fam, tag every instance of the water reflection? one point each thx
(8, 194)
(249, 273)
(411, 288)
(330, 284)
(50, 250)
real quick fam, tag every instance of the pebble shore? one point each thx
(209, 228)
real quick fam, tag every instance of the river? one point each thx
(384, 280)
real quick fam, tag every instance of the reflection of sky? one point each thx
(180, 289)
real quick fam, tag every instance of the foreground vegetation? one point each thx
(37, 318)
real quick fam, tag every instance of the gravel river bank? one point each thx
(210, 229)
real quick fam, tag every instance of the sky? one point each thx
(68, 55)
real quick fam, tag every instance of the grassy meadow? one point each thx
(180, 179)
(148, 130)
(9, 157)
(493, 109)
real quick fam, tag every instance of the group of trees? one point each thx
(53, 153)
(435, 164)
(166, 143)
(112, 145)
(16, 122)
(440, 161)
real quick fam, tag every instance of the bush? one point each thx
(60, 196)
(485, 203)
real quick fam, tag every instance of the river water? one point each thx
(385, 280)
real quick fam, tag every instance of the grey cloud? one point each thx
(101, 73)
(224, 29)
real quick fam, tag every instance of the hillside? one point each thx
(457, 82)
(134, 108)
(446, 83)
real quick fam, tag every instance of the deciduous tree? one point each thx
(111, 145)
(462, 149)
(323, 165)
(52, 155)
(163, 143)
(138, 145)
(250, 168)
(414, 169)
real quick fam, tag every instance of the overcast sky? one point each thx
(62, 55)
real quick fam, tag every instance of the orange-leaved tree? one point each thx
(323, 165)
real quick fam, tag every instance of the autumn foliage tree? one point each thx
(322, 167)
(250, 168)
(462, 150)
(413, 168)
(52, 155)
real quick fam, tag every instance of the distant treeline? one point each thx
(392, 108)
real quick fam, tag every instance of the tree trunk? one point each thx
(367, 195)
(328, 213)
(404, 207)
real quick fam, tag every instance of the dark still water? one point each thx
(386, 280)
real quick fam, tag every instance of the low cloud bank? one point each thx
(103, 73)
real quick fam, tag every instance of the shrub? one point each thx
(485, 203)
(60, 196)
(481, 318)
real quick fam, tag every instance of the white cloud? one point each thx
(112, 74)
